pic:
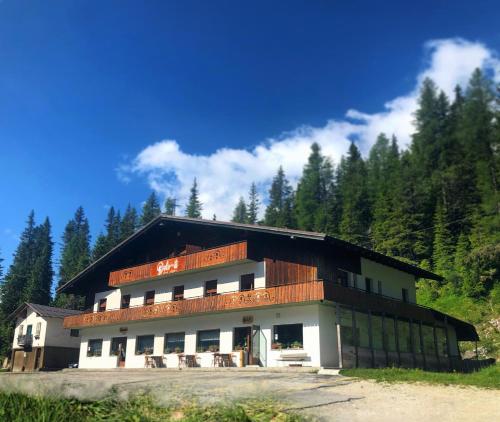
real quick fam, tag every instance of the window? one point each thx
(178, 293)
(379, 287)
(174, 343)
(211, 288)
(125, 302)
(29, 329)
(102, 305)
(74, 332)
(118, 344)
(368, 284)
(241, 337)
(247, 282)
(21, 329)
(38, 329)
(94, 347)
(208, 341)
(144, 345)
(288, 336)
(149, 297)
(342, 278)
(404, 295)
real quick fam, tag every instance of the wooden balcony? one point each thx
(194, 261)
(291, 293)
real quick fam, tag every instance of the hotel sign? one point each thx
(168, 266)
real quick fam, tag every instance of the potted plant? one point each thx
(276, 345)
(296, 345)
(177, 350)
(213, 348)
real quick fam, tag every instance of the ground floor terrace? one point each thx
(319, 334)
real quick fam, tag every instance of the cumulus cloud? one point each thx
(227, 173)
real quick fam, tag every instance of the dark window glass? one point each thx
(74, 332)
(125, 301)
(208, 341)
(117, 344)
(368, 284)
(149, 298)
(178, 292)
(94, 347)
(211, 288)
(288, 336)
(342, 278)
(29, 330)
(247, 282)
(379, 287)
(102, 305)
(174, 343)
(404, 295)
(241, 337)
(144, 345)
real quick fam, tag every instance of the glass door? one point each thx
(259, 347)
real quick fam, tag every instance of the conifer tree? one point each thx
(38, 288)
(194, 206)
(113, 223)
(253, 205)
(101, 247)
(443, 248)
(170, 206)
(279, 212)
(355, 218)
(240, 212)
(150, 210)
(128, 223)
(75, 257)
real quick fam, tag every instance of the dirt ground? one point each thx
(322, 397)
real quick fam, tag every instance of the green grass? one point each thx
(486, 378)
(16, 407)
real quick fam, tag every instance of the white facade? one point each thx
(309, 316)
(46, 331)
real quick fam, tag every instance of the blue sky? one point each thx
(103, 101)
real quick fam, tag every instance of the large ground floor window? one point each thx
(94, 347)
(288, 336)
(208, 341)
(144, 345)
(174, 343)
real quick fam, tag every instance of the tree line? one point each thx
(435, 204)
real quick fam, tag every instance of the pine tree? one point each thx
(170, 206)
(100, 247)
(194, 206)
(38, 288)
(240, 212)
(150, 210)
(253, 205)
(444, 249)
(128, 224)
(75, 257)
(113, 222)
(279, 212)
(355, 219)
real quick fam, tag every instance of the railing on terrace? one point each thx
(290, 293)
(25, 340)
(196, 260)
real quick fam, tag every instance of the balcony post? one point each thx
(384, 341)
(355, 337)
(396, 334)
(370, 337)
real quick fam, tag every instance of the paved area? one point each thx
(322, 397)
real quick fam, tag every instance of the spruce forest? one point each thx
(435, 204)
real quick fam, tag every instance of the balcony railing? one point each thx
(290, 293)
(25, 340)
(193, 261)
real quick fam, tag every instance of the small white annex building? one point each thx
(40, 340)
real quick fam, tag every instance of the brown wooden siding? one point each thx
(294, 293)
(279, 272)
(207, 258)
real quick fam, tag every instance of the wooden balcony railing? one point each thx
(291, 293)
(197, 260)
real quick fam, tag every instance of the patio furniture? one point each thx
(187, 361)
(223, 359)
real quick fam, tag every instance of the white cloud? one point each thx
(227, 173)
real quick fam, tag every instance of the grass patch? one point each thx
(16, 407)
(486, 378)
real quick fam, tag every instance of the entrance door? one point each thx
(119, 348)
(258, 346)
(242, 340)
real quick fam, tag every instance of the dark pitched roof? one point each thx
(46, 311)
(365, 252)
